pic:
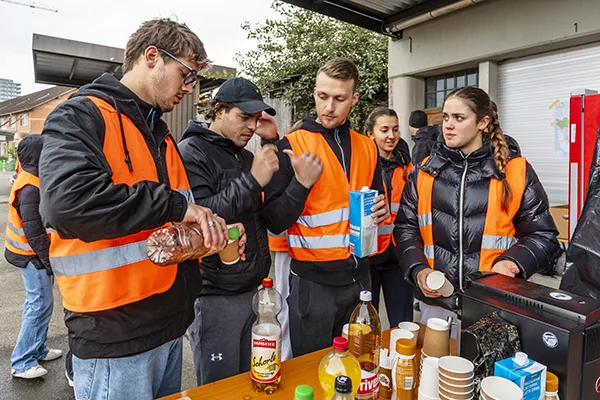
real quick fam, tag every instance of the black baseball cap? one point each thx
(244, 95)
(417, 119)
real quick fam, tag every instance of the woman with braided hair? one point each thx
(473, 205)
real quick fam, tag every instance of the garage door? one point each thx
(533, 101)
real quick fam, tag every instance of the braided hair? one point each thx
(479, 102)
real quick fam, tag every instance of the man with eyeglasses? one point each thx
(110, 174)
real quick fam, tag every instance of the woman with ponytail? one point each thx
(472, 206)
(382, 126)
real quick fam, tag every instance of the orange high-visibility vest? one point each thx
(278, 242)
(106, 274)
(322, 232)
(386, 229)
(499, 230)
(16, 241)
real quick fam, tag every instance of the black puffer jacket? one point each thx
(424, 140)
(537, 244)
(219, 174)
(27, 203)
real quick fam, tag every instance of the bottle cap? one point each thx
(343, 384)
(365, 295)
(340, 343)
(365, 189)
(521, 358)
(304, 392)
(405, 347)
(234, 233)
(551, 382)
(267, 283)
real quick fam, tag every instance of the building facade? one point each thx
(9, 89)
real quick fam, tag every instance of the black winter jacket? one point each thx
(537, 244)
(27, 203)
(219, 174)
(400, 158)
(285, 198)
(424, 140)
(80, 200)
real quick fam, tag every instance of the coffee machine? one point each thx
(558, 329)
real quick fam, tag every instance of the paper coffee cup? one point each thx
(496, 388)
(437, 338)
(231, 253)
(397, 334)
(412, 328)
(345, 331)
(437, 281)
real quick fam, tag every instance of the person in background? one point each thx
(383, 127)
(16, 139)
(319, 165)
(26, 247)
(423, 135)
(229, 180)
(110, 174)
(471, 207)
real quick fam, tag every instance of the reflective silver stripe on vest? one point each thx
(385, 229)
(425, 220)
(17, 245)
(324, 219)
(395, 207)
(318, 242)
(277, 235)
(429, 251)
(497, 242)
(188, 195)
(99, 260)
(16, 230)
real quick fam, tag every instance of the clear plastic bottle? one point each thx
(343, 388)
(177, 243)
(551, 387)
(265, 364)
(338, 362)
(404, 373)
(364, 337)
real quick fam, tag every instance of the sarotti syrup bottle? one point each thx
(265, 365)
(364, 339)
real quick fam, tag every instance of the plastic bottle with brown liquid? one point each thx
(177, 243)
(404, 373)
(551, 387)
(364, 339)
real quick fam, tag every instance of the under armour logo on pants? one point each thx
(216, 357)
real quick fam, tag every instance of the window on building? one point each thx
(13, 122)
(438, 87)
(25, 119)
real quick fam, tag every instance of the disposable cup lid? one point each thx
(234, 233)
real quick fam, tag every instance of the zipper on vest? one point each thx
(339, 143)
(461, 223)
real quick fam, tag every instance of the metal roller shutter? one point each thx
(529, 90)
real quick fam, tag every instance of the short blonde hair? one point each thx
(342, 69)
(20, 135)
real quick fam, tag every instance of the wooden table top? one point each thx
(297, 371)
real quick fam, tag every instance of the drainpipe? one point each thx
(396, 27)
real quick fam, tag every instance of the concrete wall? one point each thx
(494, 30)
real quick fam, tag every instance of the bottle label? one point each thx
(369, 384)
(408, 383)
(265, 365)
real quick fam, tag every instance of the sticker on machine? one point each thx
(560, 296)
(550, 339)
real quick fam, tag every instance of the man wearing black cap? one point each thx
(422, 134)
(229, 180)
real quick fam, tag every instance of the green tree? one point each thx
(291, 49)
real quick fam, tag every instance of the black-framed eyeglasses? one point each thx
(192, 77)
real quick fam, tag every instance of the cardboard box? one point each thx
(527, 374)
(363, 230)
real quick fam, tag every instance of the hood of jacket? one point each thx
(202, 131)
(29, 151)
(311, 124)
(426, 133)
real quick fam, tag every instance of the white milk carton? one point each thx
(363, 230)
(529, 375)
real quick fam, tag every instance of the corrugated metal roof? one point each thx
(32, 100)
